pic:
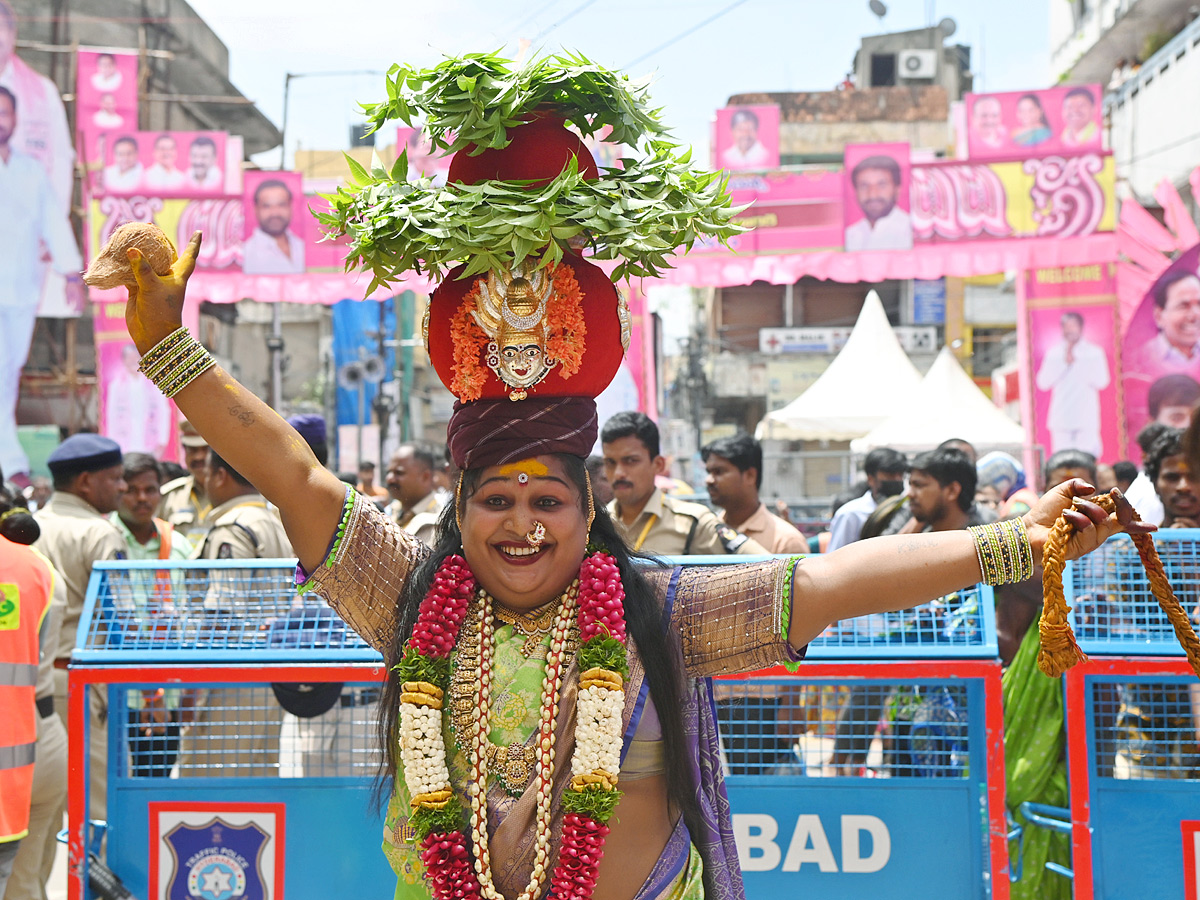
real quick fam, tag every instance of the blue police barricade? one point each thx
(1133, 736)
(241, 728)
(876, 768)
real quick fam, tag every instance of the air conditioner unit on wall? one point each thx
(917, 63)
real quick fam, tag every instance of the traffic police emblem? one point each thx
(216, 861)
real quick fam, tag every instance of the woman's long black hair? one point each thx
(656, 644)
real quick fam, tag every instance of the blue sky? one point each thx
(757, 45)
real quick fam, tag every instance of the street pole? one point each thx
(275, 349)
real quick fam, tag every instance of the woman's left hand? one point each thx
(1092, 525)
(155, 308)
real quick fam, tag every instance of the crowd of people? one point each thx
(107, 506)
(102, 505)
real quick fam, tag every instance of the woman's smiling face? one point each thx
(506, 505)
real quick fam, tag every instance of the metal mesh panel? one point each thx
(857, 729)
(946, 626)
(240, 730)
(1113, 611)
(147, 607)
(1146, 729)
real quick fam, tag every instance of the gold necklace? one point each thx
(535, 625)
(513, 765)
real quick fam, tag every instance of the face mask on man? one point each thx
(890, 487)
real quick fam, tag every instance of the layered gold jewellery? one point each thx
(513, 765)
(175, 362)
(454, 614)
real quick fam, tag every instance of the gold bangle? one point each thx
(191, 374)
(175, 362)
(160, 352)
(179, 371)
(1004, 552)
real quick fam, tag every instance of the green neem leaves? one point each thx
(638, 214)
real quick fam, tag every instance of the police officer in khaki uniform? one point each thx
(647, 518)
(184, 503)
(234, 726)
(89, 480)
(415, 506)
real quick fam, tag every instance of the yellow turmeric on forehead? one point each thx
(526, 467)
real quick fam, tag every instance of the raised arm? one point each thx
(247, 433)
(890, 573)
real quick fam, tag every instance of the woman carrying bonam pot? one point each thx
(547, 720)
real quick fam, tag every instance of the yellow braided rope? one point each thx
(1059, 651)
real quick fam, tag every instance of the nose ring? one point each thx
(535, 537)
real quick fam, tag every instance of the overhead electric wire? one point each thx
(682, 35)
(567, 17)
(533, 15)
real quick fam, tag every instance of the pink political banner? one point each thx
(39, 257)
(1055, 196)
(1074, 375)
(276, 224)
(133, 412)
(746, 138)
(876, 197)
(1022, 124)
(163, 164)
(1160, 351)
(106, 91)
(788, 210)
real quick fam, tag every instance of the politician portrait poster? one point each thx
(106, 89)
(163, 164)
(40, 260)
(275, 230)
(875, 197)
(1075, 395)
(1160, 351)
(1022, 124)
(747, 139)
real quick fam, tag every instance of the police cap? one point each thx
(84, 453)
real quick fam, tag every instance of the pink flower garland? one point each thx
(579, 858)
(601, 598)
(442, 611)
(447, 860)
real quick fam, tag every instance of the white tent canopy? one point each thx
(866, 382)
(947, 404)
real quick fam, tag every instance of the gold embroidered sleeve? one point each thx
(734, 618)
(365, 572)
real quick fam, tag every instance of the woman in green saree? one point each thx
(547, 718)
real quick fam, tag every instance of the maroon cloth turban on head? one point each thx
(495, 432)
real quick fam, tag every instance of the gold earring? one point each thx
(458, 502)
(591, 502)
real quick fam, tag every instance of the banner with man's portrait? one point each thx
(1073, 371)
(106, 92)
(876, 205)
(163, 163)
(1161, 351)
(1023, 124)
(746, 139)
(276, 220)
(40, 263)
